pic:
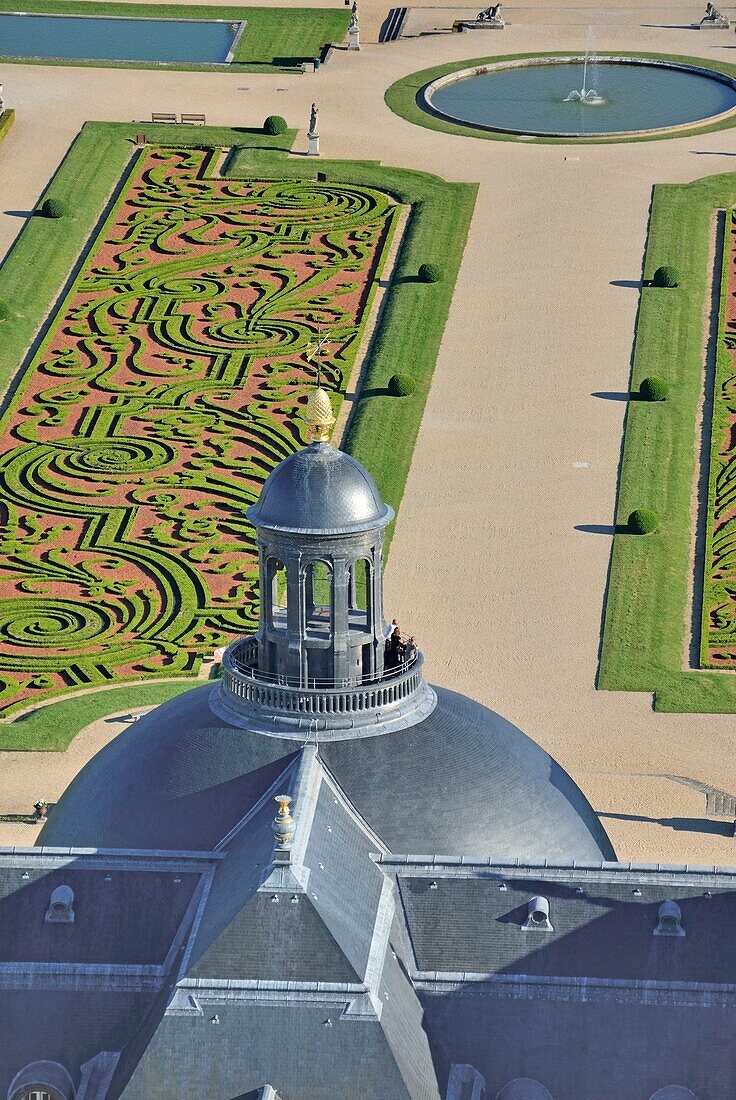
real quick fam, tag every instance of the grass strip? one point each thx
(275, 39)
(646, 615)
(6, 121)
(410, 331)
(402, 98)
(51, 728)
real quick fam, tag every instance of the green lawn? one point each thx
(644, 639)
(51, 728)
(407, 339)
(275, 38)
(401, 97)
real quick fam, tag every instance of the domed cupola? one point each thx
(404, 754)
(317, 660)
(320, 490)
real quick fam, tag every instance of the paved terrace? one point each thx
(501, 589)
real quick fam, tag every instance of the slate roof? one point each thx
(469, 924)
(316, 938)
(121, 916)
(176, 779)
(180, 778)
(66, 1026)
(278, 936)
(345, 886)
(287, 1041)
(73, 990)
(320, 490)
(245, 864)
(501, 795)
(583, 1049)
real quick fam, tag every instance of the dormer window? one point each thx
(61, 906)
(670, 920)
(537, 916)
(41, 1081)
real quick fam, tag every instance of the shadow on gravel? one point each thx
(614, 395)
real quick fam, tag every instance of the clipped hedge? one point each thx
(643, 522)
(402, 385)
(666, 276)
(430, 273)
(654, 389)
(274, 125)
(53, 208)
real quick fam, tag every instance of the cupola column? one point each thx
(319, 523)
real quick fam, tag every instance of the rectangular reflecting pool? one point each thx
(72, 37)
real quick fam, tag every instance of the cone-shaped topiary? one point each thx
(52, 208)
(430, 273)
(666, 276)
(642, 522)
(654, 389)
(275, 124)
(401, 385)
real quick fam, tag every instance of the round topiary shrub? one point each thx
(654, 389)
(401, 385)
(52, 208)
(642, 522)
(275, 124)
(430, 273)
(666, 276)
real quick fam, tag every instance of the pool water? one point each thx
(65, 36)
(531, 98)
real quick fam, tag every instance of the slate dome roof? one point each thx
(320, 490)
(181, 778)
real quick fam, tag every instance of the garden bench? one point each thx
(189, 120)
(162, 117)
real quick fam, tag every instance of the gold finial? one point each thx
(283, 824)
(319, 416)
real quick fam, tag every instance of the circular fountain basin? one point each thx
(634, 96)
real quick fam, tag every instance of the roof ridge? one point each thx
(337, 790)
(256, 807)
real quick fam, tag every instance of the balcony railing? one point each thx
(243, 681)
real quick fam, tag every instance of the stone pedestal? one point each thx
(488, 24)
(354, 38)
(313, 150)
(718, 24)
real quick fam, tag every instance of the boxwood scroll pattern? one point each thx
(718, 634)
(160, 400)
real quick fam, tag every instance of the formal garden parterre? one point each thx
(164, 391)
(156, 407)
(718, 628)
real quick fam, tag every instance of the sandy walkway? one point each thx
(505, 595)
